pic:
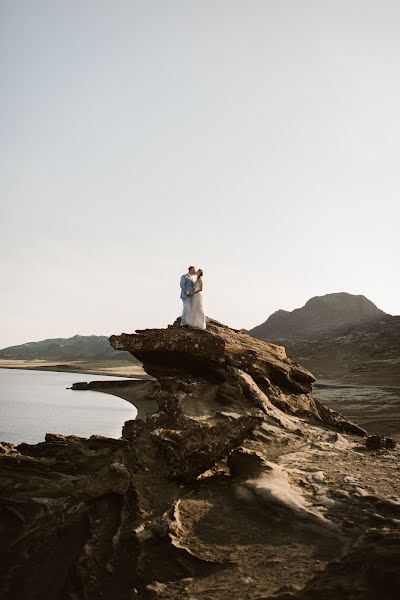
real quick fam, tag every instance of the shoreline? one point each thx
(132, 371)
(138, 392)
(348, 398)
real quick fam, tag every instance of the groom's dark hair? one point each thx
(191, 267)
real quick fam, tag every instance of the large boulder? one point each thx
(244, 371)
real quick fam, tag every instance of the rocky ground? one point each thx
(237, 483)
(374, 407)
(357, 367)
(359, 354)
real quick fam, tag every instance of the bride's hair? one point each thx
(200, 273)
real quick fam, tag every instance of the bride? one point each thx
(196, 316)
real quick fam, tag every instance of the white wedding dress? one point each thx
(197, 318)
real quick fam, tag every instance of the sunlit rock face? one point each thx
(247, 372)
(177, 349)
(236, 483)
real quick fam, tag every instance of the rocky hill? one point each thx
(78, 347)
(339, 337)
(318, 314)
(237, 484)
(367, 352)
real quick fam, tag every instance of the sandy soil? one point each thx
(367, 392)
(374, 407)
(385, 372)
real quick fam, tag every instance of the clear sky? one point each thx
(257, 139)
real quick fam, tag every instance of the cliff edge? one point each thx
(237, 484)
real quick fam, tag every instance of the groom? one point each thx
(187, 289)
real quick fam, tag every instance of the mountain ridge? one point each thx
(77, 347)
(318, 313)
(353, 346)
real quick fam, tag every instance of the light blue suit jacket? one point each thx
(187, 285)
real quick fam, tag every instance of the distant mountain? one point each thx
(78, 347)
(318, 314)
(367, 352)
(378, 339)
(339, 337)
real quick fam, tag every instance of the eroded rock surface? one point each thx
(239, 484)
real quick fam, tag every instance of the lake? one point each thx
(33, 403)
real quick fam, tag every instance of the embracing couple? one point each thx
(192, 298)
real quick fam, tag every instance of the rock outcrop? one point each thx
(237, 483)
(246, 372)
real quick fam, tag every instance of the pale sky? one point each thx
(257, 139)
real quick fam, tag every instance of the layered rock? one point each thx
(213, 352)
(237, 485)
(247, 372)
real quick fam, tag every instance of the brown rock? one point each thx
(368, 571)
(378, 442)
(218, 355)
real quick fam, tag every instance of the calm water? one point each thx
(33, 403)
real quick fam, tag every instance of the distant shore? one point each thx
(110, 368)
